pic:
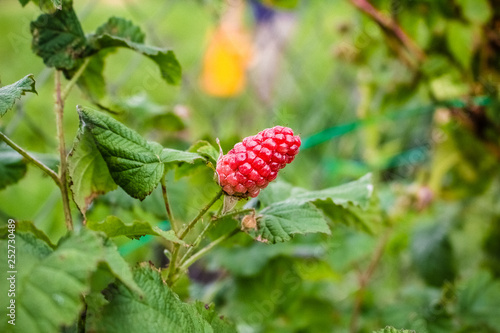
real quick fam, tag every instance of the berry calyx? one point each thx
(253, 163)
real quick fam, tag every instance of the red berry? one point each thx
(253, 163)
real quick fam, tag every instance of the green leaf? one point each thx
(52, 281)
(57, 4)
(134, 163)
(276, 192)
(352, 203)
(58, 39)
(113, 226)
(166, 121)
(118, 266)
(205, 149)
(358, 193)
(45, 5)
(28, 227)
(209, 158)
(12, 167)
(432, 255)
(479, 300)
(390, 329)
(278, 286)
(88, 171)
(219, 325)
(177, 156)
(160, 309)
(281, 221)
(476, 11)
(259, 253)
(10, 93)
(92, 80)
(460, 39)
(165, 59)
(368, 220)
(170, 236)
(120, 27)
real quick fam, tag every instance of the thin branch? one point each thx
(200, 214)
(198, 239)
(175, 254)
(170, 215)
(207, 248)
(391, 25)
(364, 279)
(63, 167)
(32, 159)
(237, 212)
(75, 78)
(196, 242)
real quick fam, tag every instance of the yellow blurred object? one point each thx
(227, 57)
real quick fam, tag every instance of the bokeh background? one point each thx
(404, 89)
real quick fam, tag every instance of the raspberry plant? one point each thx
(93, 287)
(149, 222)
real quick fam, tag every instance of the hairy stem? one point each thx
(170, 215)
(237, 212)
(200, 215)
(173, 262)
(198, 239)
(207, 248)
(63, 167)
(32, 159)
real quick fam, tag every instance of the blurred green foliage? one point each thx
(422, 116)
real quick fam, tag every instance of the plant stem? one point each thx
(209, 224)
(196, 242)
(170, 215)
(200, 214)
(32, 159)
(207, 248)
(175, 254)
(63, 167)
(391, 25)
(364, 279)
(237, 212)
(75, 78)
